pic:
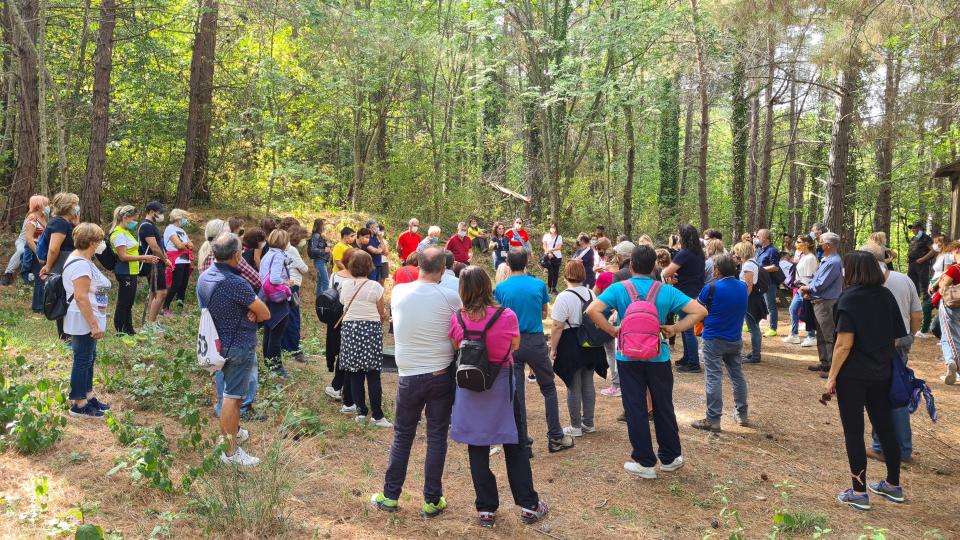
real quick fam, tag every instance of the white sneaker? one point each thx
(573, 431)
(809, 342)
(951, 376)
(241, 437)
(494, 450)
(352, 409)
(638, 470)
(239, 458)
(921, 335)
(792, 338)
(670, 467)
(383, 422)
(333, 394)
(589, 429)
(360, 419)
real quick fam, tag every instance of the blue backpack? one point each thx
(43, 244)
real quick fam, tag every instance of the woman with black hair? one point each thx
(688, 266)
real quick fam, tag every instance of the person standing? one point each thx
(553, 256)
(276, 294)
(726, 302)
(500, 245)
(713, 247)
(409, 239)
(339, 388)
(376, 249)
(421, 322)
(585, 254)
(949, 326)
(86, 317)
(527, 296)
(449, 279)
(59, 233)
(30, 232)
(290, 343)
(179, 248)
(868, 325)
(816, 230)
(806, 260)
(235, 309)
(769, 259)
(750, 275)
(151, 243)
(124, 242)
(823, 291)
(519, 237)
(460, 245)
(655, 374)
(347, 238)
(920, 255)
(688, 266)
(319, 253)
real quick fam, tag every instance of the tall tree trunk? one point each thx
(631, 165)
(794, 209)
(42, 95)
(767, 159)
(193, 173)
(752, 224)
(836, 191)
(669, 155)
(738, 127)
(687, 143)
(886, 142)
(99, 113)
(8, 94)
(704, 118)
(74, 84)
(25, 24)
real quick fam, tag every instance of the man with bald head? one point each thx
(409, 239)
(769, 259)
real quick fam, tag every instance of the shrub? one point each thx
(148, 457)
(30, 413)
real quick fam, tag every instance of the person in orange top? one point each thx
(408, 241)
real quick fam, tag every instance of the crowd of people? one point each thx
(614, 310)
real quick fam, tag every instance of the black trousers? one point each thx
(373, 386)
(553, 273)
(126, 296)
(852, 397)
(178, 288)
(636, 378)
(273, 342)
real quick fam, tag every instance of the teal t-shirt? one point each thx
(525, 295)
(669, 300)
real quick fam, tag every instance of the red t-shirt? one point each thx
(407, 243)
(406, 274)
(460, 247)
(954, 273)
(518, 239)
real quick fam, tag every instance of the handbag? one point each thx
(352, 298)
(545, 258)
(951, 295)
(276, 292)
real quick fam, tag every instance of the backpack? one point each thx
(55, 301)
(329, 309)
(764, 282)
(791, 280)
(43, 244)
(474, 370)
(589, 335)
(208, 342)
(639, 337)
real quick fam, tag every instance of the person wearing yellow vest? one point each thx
(123, 241)
(475, 234)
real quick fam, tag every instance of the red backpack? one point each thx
(639, 337)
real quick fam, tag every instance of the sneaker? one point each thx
(529, 517)
(99, 404)
(792, 339)
(360, 419)
(750, 360)
(348, 409)
(770, 333)
(746, 329)
(573, 431)
(487, 519)
(673, 465)
(588, 429)
(638, 470)
(706, 425)
(818, 367)
(300, 357)
(494, 450)
(239, 458)
(382, 423)
(561, 444)
(251, 415)
(241, 436)
(951, 376)
(860, 501)
(611, 391)
(741, 421)
(335, 395)
(87, 411)
(166, 313)
(384, 504)
(622, 418)
(689, 368)
(809, 342)
(432, 510)
(885, 490)
(281, 372)
(531, 378)
(920, 334)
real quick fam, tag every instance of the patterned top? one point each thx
(247, 272)
(223, 291)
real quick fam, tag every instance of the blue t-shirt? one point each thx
(669, 300)
(768, 256)
(525, 295)
(228, 298)
(729, 305)
(691, 273)
(60, 225)
(375, 243)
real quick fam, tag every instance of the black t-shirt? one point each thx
(919, 246)
(690, 275)
(873, 316)
(148, 230)
(247, 255)
(60, 225)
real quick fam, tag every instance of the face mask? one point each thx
(132, 225)
(76, 209)
(756, 241)
(183, 222)
(593, 242)
(414, 228)
(516, 227)
(302, 242)
(553, 231)
(101, 247)
(813, 236)
(936, 248)
(461, 234)
(46, 211)
(261, 245)
(160, 217)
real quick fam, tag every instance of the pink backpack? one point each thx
(639, 337)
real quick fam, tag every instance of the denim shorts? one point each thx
(236, 372)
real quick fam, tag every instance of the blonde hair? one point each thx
(37, 202)
(433, 231)
(645, 240)
(879, 237)
(179, 213)
(64, 203)
(744, 250)
(86, 235)
(714, 247)
(213, 229)
(503, 272)
(874, 248)
(121, 212)
(279, 239)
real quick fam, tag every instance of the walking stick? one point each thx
(150, 295)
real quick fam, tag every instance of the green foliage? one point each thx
(148, 457)
(792, 521)
(31, 418)
(302, 423)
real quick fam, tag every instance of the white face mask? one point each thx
(302, 242)
(160, 217)
(414, 228)
(261, 245)
(936, 248)
(101, 247)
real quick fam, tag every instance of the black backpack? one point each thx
(108, 259)
(764, 282)
(474, 370)
(589, 335)
(55, 301)
(329, 308)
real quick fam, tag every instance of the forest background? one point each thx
(640, 114)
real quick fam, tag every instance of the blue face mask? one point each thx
(132, 225)
(46, 211)
(183, 222)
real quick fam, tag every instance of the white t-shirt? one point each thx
(807, 267)
(296, 266)
(73, 322)
(750, 266)
(567, 308)
(168, 244)
(940, 265)
(450, 281)
(905, 293)
(364, 306)
(421, 323)
(549, 243)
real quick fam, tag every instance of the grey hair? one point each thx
(874, 249)
(461, 224)
(432, 261)
(213, 229)
(225, 246)
(830, 238)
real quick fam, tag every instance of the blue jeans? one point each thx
(323, 279)
(291, 334)
(901, 415)
(81, 375)
(716, 354)
(250, 396)
(795, 304)
(771, 299)
(756, 338)
(691, 355)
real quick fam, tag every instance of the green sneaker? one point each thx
(382, 503)
(431, 510)
(770, 333)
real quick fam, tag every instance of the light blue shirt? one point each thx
(525, 295)
(827, 283)
(669, 300)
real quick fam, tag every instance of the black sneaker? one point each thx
(98, 404)
(87, 411)
(689, 368)
(561, 444)
(818, 367)
(252, 415)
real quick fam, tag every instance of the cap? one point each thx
(625, 248)
(919, 224)
(370, 222)
(155, 206)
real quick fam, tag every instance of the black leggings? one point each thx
(178, 289)
(553, 273)
(373, 387)
(126, 296)
(852, 397)
(272, 343)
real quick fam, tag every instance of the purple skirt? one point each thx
(485, 418)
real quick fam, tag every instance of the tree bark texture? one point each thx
(25, 25)
(631, 166)
(99, 114)
(739, 129)
(752, 177)
(886, 142)
(763, 199)
(703, 88)
(835, 193)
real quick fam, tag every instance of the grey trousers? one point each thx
(533, 352)
(826, 330)
(581, 398)
(611, 349)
